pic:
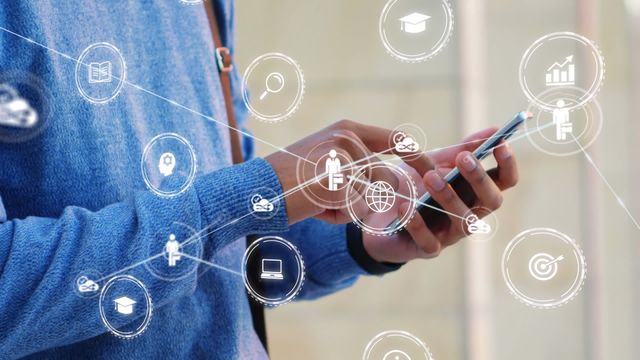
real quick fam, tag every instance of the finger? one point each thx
(377, 140)
(453, 206)
(427, 243)
(448, 154)
(485, 189)
(506, 174)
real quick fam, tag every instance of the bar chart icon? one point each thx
(561, 74)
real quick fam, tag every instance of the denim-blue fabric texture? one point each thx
(75, 198)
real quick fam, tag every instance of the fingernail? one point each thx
(469, 163)
(435, 181)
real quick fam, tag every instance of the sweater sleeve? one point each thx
(41, 257)
(329, 266)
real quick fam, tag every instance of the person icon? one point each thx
(172, 247)
(332, 168)
(561, 121)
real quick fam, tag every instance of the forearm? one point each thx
(41, 257)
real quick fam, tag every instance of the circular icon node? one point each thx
(408, 141)
(125, 306)
(264, 203)
(543, 268)
(180, 247)
(326, 168)
(100, 72)
(564, 132)
(415, 30)
(87, 283)
(24, 107)
(480, 223)
(168, 164)
(396, 345)
(273, 270)
(375, 192)
(278, 83)
(562, 63)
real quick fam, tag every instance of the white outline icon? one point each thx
(380, 196)
(415, 27)
(268, 89)
(543, 266)
(396, 345)
(269, 272)
(561, 74)
(147, 314)
(517, 264)
(147, 177)
(298, 83)
(103, 77)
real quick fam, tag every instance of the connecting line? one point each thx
(173, 102)
(210, 264)
(410, 199)
(200, 235)
(615, 194)
(130, 267)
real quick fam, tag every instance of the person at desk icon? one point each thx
(172, 247)
(561, 121)
(332, 167)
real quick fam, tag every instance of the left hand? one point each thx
(485, 188)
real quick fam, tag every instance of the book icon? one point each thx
(100, 72)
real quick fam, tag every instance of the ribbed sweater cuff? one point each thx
(336, 265)
(225, 200)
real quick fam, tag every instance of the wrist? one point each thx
(363, 257)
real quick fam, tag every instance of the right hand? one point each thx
(350, 140)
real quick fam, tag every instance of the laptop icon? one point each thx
(271, 269)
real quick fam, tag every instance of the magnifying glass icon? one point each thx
(273, 84)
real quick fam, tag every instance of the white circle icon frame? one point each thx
(425, 55)
(295, 104)
(589, 93)
(293, 291)
(390, 334)
(148, 312)
(192, 169)
(566, 296)
(80, 65)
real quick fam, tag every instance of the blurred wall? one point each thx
(349, 75)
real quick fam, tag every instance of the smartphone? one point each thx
(455, 179)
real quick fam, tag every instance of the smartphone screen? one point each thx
(431, 210)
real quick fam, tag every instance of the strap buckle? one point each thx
(223, 58)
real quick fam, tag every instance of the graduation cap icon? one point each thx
(124, 305)
(414, 23)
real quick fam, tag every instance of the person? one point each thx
(334, 171)
(562, 121)
(75, 200)
(172, 248)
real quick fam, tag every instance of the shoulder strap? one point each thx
(225, 65)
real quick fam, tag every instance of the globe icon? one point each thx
(380, 196)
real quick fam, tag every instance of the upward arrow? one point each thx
(567, 60)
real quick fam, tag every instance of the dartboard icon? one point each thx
(543, 266)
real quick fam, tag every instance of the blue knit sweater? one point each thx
(73, 197)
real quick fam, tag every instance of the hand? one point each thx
(306, 182)
(426, 240)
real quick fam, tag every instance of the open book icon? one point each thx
(100, 72)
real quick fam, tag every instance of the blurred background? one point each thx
(458, 304)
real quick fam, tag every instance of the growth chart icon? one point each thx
(561, 73)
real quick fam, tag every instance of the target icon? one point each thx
(543, 266)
